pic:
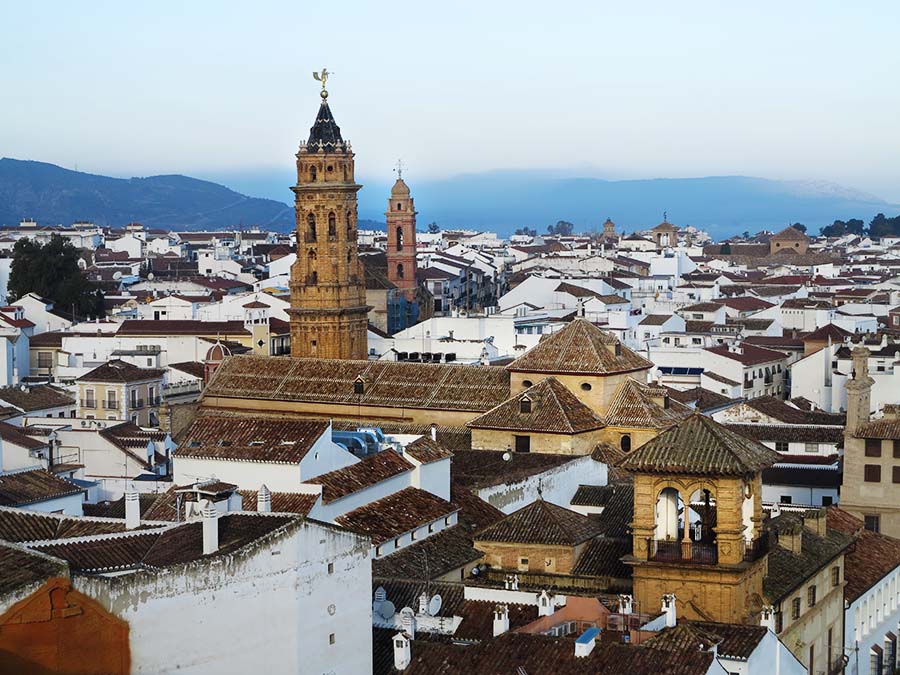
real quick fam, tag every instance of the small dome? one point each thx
(217, 353)
(400, 189)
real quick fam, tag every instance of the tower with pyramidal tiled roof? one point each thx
(328, 298)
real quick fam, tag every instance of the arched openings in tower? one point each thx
(312, 174)
(311, 254)
(399, 206)
(399, 238)
(332, 225)
(349, 223)
(311, 226)
(399, 270)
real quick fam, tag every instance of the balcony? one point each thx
(111, 405)
(700, 553)
(88, 403)
(756, 549)
(137, 403)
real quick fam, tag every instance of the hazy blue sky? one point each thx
(805, 90)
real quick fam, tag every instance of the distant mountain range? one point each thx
(53, 195)
(501, 201)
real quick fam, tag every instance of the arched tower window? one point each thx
(332, 226)
(399, 206)
(399, 238)
(312, 174)
(312, 255)
(349, 222)
(311, 225)
(400, 270)
(314, 277)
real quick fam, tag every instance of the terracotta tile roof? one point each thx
(603, 558)
(734, 641)
(20, 567)
(365, 473)
(190, 367)
(41, 397)
(474, 512)
(744, 303)
(618, 512)
(540, 522)
(789, 234)
(789, 433)
(425, 450)
(788, 414)
(873, 557)
(700, 446)
(553, 409)
(482, 468)
(18, 525)
(386, 383)
(116, 509)
(445, 551)
(887, 428)
(823, 333)
(655, 319)
(158, 549)
(700, 307)
(787, 570)
(132, 440)
(30, 487)
(142, 327)
(703, 399)
(635, 405)
(579, 347)
(116, 370)
(747, 354)
(250, 439)
(396, 514)
(577, 291)
(521, 652)
(15, 436)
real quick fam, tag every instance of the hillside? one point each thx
(53, 195)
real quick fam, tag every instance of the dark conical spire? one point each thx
(325, 132)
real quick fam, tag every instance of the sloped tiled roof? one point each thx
(386, 383)
(579, 347)
(633, 405)
(20, 567)
(736, 641)
(250, 439)
(29, 487)
(700, 446)
(396, 514)
(874, 556)
(18, 525)
(603, 558)
(554, 409)
(36, 398)
(789, 234)
(425, 450)
(116, 371)
(887, 428)
(369, 471)
(540, 522)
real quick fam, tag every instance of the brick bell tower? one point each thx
(401, 239)
(328, 297)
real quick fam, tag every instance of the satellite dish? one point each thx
(117, 275)
(151, 276)
(475, 571)
(387, 610)
(507, 456)
(434, 605)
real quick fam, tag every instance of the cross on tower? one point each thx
(399, 168)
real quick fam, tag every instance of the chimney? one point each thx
(402, 651)
(891, 411)
(790, 537)
(626, 604)
(263, 499)
(815, 520)
(423, 603)
(408, 620)
(668, 606)
(545, 606)
(433, 431)
(501, 620)
(210, 517)
(132, 508)
(767, 617)
(585, 643)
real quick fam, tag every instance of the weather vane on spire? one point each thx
(399, 168)
(323, 78)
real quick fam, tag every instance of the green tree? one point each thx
(433, 228)
(527, 231)
(562, 227)
(884, 227)
(51, 270)
(799, 226)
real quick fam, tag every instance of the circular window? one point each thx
(625, 443)
(585, 386)
(526, 383)
(330, 168)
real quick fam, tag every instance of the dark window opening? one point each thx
(312, 174)
(332, 226)
(872, 473)
(585, 386)
(525, 405)
(625, 443)
(873, 447)
(399, 238)
(523, 443)
(400, 270)
(873, 523)
(311, 224)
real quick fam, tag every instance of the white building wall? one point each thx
(70, 505)
(557, 485)
(256, 613)
(246, 475)
(867, 621)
